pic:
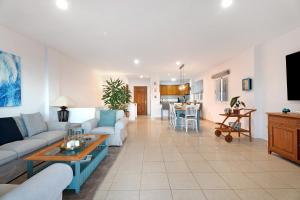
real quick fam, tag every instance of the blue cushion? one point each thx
(107, 118)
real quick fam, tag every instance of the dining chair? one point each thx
(173, 117)
(191, 115)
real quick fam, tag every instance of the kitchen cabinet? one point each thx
(174, 90)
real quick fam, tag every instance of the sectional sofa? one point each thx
(36, 134)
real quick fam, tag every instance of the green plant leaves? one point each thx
(234, 101)
(116, 95)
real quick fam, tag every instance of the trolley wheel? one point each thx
(218, 133)
(228, 138)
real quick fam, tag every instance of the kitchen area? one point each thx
(184, 92)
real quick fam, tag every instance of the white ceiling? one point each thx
(110, 34)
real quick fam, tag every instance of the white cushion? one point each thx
(103, 130)
(6, 156)
(5, 188)
(120, 114)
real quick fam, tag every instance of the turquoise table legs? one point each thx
(77, 177)
(29, 168)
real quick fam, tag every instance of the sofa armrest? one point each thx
(121, 123)
(57, 126)
(89, 125)
(46, 185)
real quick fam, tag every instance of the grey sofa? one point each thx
(46, 185)
(12, 154)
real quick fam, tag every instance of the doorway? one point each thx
(140, 98)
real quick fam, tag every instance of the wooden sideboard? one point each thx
(284, 135)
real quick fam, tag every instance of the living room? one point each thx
(63, 56)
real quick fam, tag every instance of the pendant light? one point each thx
(182, 85)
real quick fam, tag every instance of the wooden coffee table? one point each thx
(97, 147)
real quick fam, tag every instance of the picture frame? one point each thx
(247, 84)
(10, 80)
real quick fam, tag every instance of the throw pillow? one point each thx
(9, 131)
(107, 118)
(21, 126)
(34, 123)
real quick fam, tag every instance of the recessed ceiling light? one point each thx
(62, 4)
(226, 3)
(136, 61)
(178, 63)
(173, 79)
(141, 76)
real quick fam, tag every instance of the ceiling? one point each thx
(110, 34)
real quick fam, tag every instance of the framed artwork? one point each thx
(10, 80)
(247, 84)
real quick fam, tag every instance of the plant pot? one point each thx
(227, 111)
(236, 111)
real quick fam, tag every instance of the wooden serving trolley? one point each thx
(224, 128)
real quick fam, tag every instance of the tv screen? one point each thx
(293, 76)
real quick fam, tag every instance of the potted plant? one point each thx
(116, 95)
(235, 103)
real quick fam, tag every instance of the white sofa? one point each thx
(46, 185)
(118, 133)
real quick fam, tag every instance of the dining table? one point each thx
(180, 112)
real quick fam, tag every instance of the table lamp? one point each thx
(63, 103)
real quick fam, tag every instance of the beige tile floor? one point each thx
(159, 163)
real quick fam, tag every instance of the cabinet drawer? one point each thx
(283, 121)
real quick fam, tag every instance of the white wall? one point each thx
(265, 63)
(270, 72)
(47, 74)
(155, 97)
(240, 67)
(33, 72)
(141, 82)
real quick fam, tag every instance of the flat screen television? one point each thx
(293, 76)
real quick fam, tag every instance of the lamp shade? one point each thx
(61, 101)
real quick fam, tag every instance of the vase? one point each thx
(227, 110)
(236, 111)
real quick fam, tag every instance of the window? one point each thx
(198, 90)
(222, 89)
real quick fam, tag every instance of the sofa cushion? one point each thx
(21, 126)
(120, 114)
(34, 123)
(7, 156)
(107, 118)
(9, 131)
(25, 146)
(50, 136)
(103, 130)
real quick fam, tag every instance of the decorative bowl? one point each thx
(64, 146)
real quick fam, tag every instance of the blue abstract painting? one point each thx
(10, 80)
